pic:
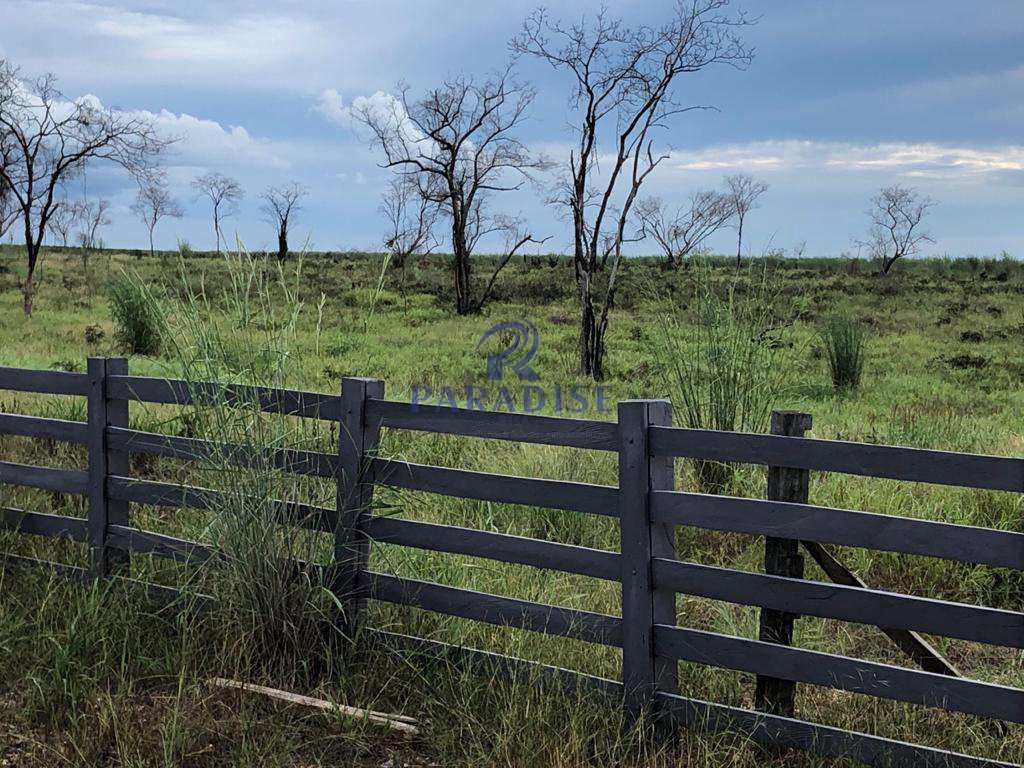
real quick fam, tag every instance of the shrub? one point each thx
(845, 340)
(185, 250)
(139, 316)
(723, 365)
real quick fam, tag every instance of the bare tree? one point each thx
(8, 209)
(279, 205)
(153, 202)
(744, 191)
(411, 218)
(622, 93)
(897, 214)
(49, 140)
(678, 234)
(64, 219)
(224, 194)
(457, 145)
(92, 216)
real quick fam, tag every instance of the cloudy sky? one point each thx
(842, 98)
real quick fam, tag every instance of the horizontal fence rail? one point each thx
(285, 402)
(884, 461)
(648, 510)
(44, 382)
(522, 428)
(49, 429)
(836, 601)
(887, 533)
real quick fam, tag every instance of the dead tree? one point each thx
(64, 219)
(224, 194)
(411, 219)
(457, 146)
(48, 140)
(896, 214)
(622, 93)
(744, 191)
(678, 234)
(92, 217)
(278, 207)
(153, 202)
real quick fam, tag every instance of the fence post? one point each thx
(357, 442)
(782, 558)
(642, 606)
(103, 412)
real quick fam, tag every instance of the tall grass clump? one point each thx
(722, 358)
(845, 339)
(272, 602)
(139, 315)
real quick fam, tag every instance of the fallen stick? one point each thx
(406, 725)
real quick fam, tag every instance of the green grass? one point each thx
(90, 678)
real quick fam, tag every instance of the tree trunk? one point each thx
(463, 305)
(739, 244)
(152, 252)
(28, 290)
(282, 244)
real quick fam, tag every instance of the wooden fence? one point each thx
(649, 511)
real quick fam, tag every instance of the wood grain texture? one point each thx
(503, 547)
(885, 461)
(776, 732)
(192, 449)
(44, 478)
(864, 606)
(43, 382)
(524, 428)
(44, 524)
(286, 402)
(841, 672)
(493, 609)
(506, 489)
(50, 429)
(185, 496)
(846, 527)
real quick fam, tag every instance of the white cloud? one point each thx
(909, 159)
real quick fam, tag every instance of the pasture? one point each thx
(92, 678)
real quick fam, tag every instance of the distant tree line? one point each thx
(454, 150)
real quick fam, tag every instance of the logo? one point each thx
(517, 355)
(511, 347)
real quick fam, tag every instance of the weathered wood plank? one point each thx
(44, 524)
(493, 609)
(567, 558)
(43, 382)
(782, 558)
(193, 449)
(835, 601)
(10, 562)
(849, 674)
(160, 545)
(494, 664)
(885, 461)
(44, 478)
(908, 641)
(845, 527)
(190, 497)
(639, 668)
(494, 425)
(783, 732)
(286, 402)
(507, 489)
(39, 427)
(356, 474)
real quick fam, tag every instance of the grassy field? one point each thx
(91, 678)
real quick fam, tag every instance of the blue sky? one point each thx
(842, 98)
